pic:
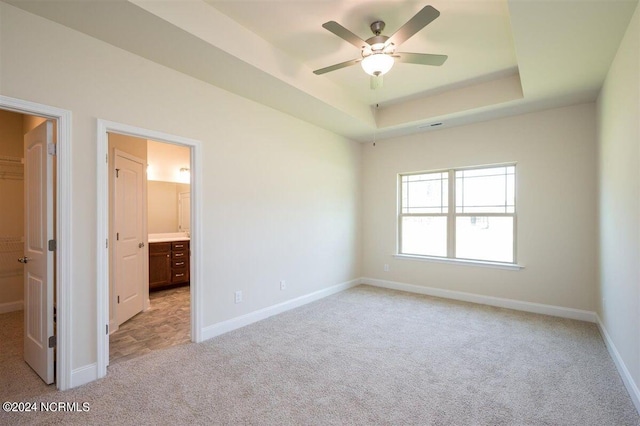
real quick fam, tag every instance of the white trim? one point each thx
(538, 308)
(627, 379)
(102, 261)
(11, 306)
(466, 262)
(64, 234)
(83, 375)
(244, 320)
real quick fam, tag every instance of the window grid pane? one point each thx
(424, 235)
(490, 190)
(484, 238)
(424, 193)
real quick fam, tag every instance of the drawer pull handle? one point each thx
(179, 275)
(179, 254)
(179, 263)
(179, 245)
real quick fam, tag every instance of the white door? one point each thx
(38, 259)
(184, 211)
(130, 250)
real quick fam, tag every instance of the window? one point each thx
(460, 214)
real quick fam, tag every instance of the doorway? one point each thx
(150, 262)
(45, 330)
(106, 261)
(27, 183)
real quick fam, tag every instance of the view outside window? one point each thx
(461, 214)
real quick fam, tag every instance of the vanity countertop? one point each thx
(168, 237)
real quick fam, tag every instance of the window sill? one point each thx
(484, 264)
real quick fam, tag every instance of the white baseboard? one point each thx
(83, 375)
(538, 308)
(244, 320)
(631, 386)
(11, 307)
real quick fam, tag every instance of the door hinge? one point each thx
(117, 236)
(117, 172)
(118, 299)
(52, 341)
(51, 149)
(52, 245)
(107, 328)
(106, 158)
(106, 243)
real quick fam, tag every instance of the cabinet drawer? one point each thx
(159, 248)
(180, 245)
(180, 276)
(178, 263)
(176, 255)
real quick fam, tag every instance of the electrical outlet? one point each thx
(238, 296)
(283, 285)
(386, 267)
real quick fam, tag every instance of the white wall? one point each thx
(280, 195)
(619, 166)
(555, 151)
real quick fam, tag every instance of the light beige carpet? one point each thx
(366, 356)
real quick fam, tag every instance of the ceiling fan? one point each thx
(379, 52)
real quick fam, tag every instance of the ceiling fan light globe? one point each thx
(377, 64)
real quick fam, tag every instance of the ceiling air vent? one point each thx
(426, 126)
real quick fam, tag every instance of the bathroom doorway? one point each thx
(150, 252)
(169, 313)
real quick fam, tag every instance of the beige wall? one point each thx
(555, 152)
(619, 145)
(280, 196)
(12, 211)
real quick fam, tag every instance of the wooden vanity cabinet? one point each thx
(168, 264)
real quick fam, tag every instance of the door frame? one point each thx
(102, 261)
(63, 277)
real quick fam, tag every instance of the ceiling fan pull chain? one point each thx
(375, 123)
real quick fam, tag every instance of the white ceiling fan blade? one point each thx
(337, 66)
(345, 34)
(413, 25)
(420, 58)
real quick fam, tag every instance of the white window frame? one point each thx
(451, 216)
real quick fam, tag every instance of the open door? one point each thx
(130, 251)
(39, 339)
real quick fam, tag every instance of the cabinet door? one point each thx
(159, 264)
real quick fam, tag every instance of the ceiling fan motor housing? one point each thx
(377, 27)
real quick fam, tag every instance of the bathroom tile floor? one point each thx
(166, 323)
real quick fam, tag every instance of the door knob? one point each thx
(140, 245)
(24, 259)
